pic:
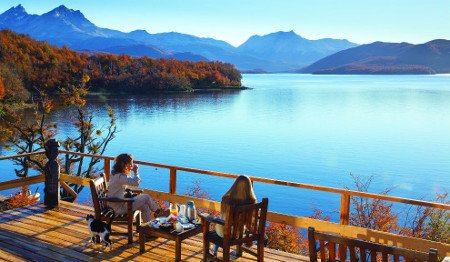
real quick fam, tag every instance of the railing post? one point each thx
(344, 217)
(173, 180)
(51, 169)
(345, 209)
(107, 168)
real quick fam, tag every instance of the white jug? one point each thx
(182, 212)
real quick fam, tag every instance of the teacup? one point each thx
(178, 227)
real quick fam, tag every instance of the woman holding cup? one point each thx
(120, 179)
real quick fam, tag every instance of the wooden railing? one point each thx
(303, 222)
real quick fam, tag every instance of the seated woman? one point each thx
(120, 179)
(240, 193)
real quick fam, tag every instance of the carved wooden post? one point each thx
(52, 187)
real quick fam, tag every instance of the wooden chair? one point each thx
(328, 244)
(243, 224)
(99, 190)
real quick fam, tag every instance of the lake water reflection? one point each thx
(302, 128)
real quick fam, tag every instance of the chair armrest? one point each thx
(115, 199)
(211, 219)
(136, 190)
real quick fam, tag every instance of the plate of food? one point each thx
(166, 225)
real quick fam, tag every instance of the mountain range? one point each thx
(387, 58)
(279, 51)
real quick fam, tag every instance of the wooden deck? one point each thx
(36, 234)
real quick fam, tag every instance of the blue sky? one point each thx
(236, 20)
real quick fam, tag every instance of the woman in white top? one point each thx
(120, 179)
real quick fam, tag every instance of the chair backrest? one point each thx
(99, 188)
(366, 249)
(246, 223)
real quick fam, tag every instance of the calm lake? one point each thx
(305, 128)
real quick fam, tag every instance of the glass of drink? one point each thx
(173, 209)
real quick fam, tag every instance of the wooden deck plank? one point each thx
(67, 252)
(26, 254)
(47, 238)
(10, 256)
(48, 227)
(60, 234)
(42, 250)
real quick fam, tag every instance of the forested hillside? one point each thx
(29, 66)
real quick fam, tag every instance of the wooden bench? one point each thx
(367, 250)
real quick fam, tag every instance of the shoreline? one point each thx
(24, 105)
(218, 89)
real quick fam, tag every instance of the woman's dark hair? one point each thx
(121, 162)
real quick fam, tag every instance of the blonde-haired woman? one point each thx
(120, 179)
(240, 193)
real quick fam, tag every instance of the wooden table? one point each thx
(145, 231)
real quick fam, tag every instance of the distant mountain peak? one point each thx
(63, 11)
(13, 15)
(18, 10)
(291, 32)
(285, 33)
(139, 32)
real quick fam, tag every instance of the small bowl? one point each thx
(166, 225)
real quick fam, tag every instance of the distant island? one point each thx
(28, 65)
(255, 71)
(387, 58)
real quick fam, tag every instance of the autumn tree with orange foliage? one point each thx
(422, 222)
(289, 238)
(284, 237)
(12, 88)
(371, 213)
(2, 89)
(427, 222)
(43, 67)
(196, 190)
(21, 198)
(27, 135)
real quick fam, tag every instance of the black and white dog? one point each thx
(101, 229)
